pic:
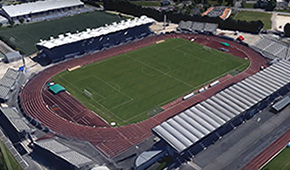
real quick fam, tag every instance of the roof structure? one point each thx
(191, 125)
(64, 152)
(91, 33)
(146, 156)
(39, 6)
(281, 104)
(56, 88)
(15, 119)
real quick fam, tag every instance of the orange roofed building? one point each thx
(221, 12)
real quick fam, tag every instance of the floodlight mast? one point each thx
(24, 65)
(164, 22)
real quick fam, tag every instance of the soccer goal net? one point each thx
(87, 93)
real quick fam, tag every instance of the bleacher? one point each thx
(8, 83)
(197, 27)
(272, 48)
(97, 39)
(15, 119)
(70, 157)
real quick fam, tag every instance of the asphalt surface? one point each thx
(245, 142)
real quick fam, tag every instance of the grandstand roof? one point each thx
(90, 33)
(191, 125)
(64, 152)
(15, 119)
(39, 6)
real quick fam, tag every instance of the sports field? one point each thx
(254, 16)
(24, 37)
(130, 87)
(281, 161)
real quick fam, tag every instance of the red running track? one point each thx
(113, 141)
(267, 154)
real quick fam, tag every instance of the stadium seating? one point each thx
(272, 48)
(197, 27)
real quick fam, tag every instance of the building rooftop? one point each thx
(39, 6)
(16, 120)
(282, 103)
(64, 152)
(90, 33)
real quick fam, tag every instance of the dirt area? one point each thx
(250, 39)
(157, 27)
(281, 20)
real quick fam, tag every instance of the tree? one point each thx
(230, 3)
(21, 20)
(271, 5)
(220, 2)
(287, 30)
(11, 22)
(243, 3)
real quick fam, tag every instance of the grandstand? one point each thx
(13, 123)
(8, 83)
(199, 126)
(30, 9)
(272, 49)
(55, 150)
(197, 27)
(71, 45)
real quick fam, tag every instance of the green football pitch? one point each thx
(130, 87)
(281, 161)
(24, 37)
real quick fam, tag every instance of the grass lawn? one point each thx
(24, 37)
(147, 3)
(249, 5)
(7, 161)
(281, 161)
(126, 88)
(215, 2)
(254, 16)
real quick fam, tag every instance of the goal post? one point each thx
(87, 93)
(206, 48)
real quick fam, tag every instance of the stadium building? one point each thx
(28, 10)
(8, 84)
(199, 126)
(62, 156)
(71, 45)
